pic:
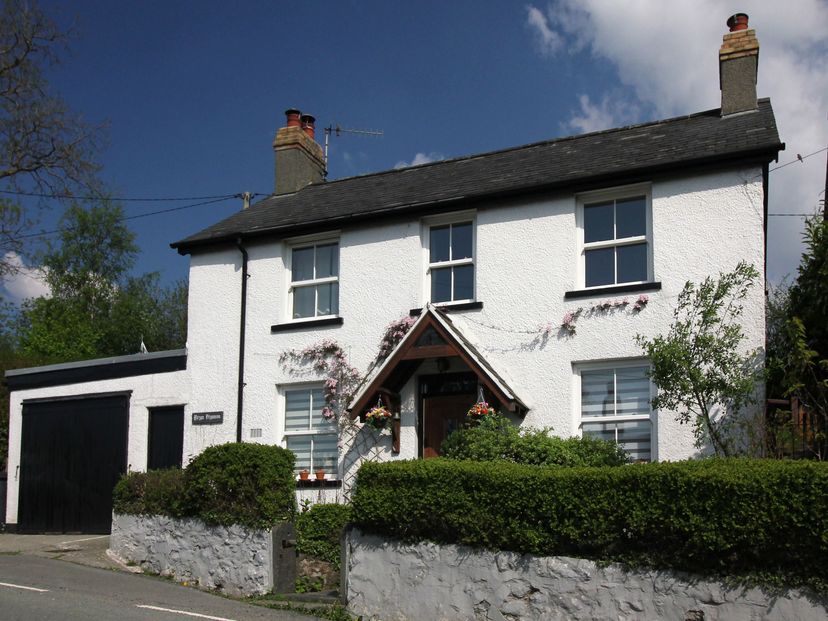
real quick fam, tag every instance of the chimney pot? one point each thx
(293, 117)
(739, 21)
(308, 125)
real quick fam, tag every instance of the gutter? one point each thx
(242, 333)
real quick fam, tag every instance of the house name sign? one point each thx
(208, 418)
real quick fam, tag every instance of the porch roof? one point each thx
(401, 364)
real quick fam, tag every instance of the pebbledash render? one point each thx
(527, 272)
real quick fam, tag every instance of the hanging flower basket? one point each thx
(479, 411)
(378, 417)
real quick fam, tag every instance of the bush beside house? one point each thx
(735, 517)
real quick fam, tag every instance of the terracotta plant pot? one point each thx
(303, 475)
(320, 475)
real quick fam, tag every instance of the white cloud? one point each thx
(667, 56)
(24, 282)
(548, 41)
(421, 158)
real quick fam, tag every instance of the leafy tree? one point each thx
(43, 146)
(96, 309)
(798, 336)
(697, 366)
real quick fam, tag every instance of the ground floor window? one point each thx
(311, 438)
(615, 405)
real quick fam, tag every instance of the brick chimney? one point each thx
(299, 158)
(738, 66)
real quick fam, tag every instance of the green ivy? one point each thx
(319, 530)
(713, 516)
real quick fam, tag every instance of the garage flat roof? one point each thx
(98, 369)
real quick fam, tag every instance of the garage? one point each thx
(73, 451)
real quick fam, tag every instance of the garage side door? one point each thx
(73, 452)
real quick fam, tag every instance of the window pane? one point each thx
(598, 222)
(599, 267)
(632, 263)
(317, 420)
(634, 437)
(441, 285)
(461, 241)
(301, 267)
(325, 452)
(601, 431)
(301, 447)
(630, 217)
(297, 409)
(464, 282)
(439, 243)
(327, 260)
(597, 393)
(633, 387)
(326, 299)
(303, 302)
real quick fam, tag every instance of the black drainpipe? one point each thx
(242, 322)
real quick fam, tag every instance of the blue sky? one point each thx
(193, 92)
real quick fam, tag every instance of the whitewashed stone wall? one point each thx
(394, 582)
(232, 559)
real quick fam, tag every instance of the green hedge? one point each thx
(319, 529)
(248, 484)
(721, 516)
(496, 438)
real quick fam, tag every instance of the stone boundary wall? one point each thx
(388, 580)
(233, 559)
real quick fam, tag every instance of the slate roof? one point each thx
(698, 139)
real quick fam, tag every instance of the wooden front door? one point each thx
(441, 416)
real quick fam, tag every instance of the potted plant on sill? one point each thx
(303, 475)
(320, 474)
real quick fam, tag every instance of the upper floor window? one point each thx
(615, 405)
(451, 262)
(314, 280)
(616, 246)
(311, 438)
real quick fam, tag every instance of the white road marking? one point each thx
(20, 586)
(183, 612)
(63, 543)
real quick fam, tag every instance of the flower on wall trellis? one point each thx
(567, 326)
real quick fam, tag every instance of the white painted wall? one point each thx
(526, 259)
(148, 391)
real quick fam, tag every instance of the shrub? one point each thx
(496, 438)
(241, 483)
(157, 492)
(318, 531)
(713, 516)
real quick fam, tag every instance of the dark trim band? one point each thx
(304, 325)
(612, 290)
(314, 484)
(450, 308)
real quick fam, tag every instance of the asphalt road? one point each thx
(34, 588)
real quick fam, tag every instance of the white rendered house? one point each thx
(528, 273)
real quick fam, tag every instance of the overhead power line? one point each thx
(124, 199)
(799, 158)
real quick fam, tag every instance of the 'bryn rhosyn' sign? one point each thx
(208, 418)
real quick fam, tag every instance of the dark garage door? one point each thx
(73, 452)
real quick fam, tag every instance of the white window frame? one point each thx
(604, 365)
(619, 193)
(445, 220)
(285, 433)
(308, 242)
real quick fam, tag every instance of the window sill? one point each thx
(314, 484)
(450, 308)
(306, 323)
(612, 290)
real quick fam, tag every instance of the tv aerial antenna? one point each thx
(337, 130)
